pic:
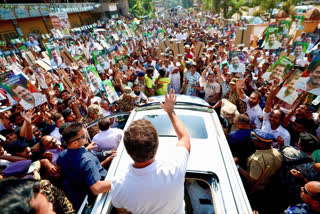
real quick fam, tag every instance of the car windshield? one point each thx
(194, 124)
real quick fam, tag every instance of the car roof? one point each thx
(180, 99)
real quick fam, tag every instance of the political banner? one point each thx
(110, 91)
(288, 92)
(93, 79)
(21, 90)
(60, 20)
(299, 49)
(271, 39)
(285, 26)
(97, 53)
(199, 49)
(279, 69)
(236, 62)
(310, 79)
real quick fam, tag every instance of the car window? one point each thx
(200, 192)
(194, 124)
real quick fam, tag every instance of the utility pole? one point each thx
(53, 4)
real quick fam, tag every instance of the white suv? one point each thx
(213, 184)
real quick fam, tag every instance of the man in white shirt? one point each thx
(153, 183)
(254, 110)
(272, 122)
(108, 138)
(59, 121)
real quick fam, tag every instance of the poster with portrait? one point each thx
(299, 49)
(271, 39)
(236, 66)
(312, 39)
(21, 90)
(285, 39)
(60, 24)
(285, 26)
(288, 92)
(95, 55)
(310, 79)
(110, 91)
(60, 20)
(279, 69)
(93, 79)
(299, 22)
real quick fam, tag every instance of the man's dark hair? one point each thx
(6, 132)
(271, 33)
(243, 119)
(63, 127)
(56, 116)
(104, 124)
(150, 70)
(162, 72)
(257, 93)
(16, 195)
(135, 84)
(308, 124)
(64, 91)
(13, 116)
(71, 131)
(14, 86)
(141, 140)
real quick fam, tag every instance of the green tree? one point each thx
(228, 7)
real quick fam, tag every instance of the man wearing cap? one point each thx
(264, 156)
(126, 101)
(94, 113)
(233, 97)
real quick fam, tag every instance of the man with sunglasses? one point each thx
(310, 195)
(81, 171)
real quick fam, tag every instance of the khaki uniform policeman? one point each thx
(264, 156)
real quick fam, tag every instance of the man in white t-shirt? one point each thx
(108, 138)
(153, 184)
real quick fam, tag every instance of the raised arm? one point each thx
(269, 101)
(179, 128)
(239, 86)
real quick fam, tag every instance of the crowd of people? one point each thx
(54, 131)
